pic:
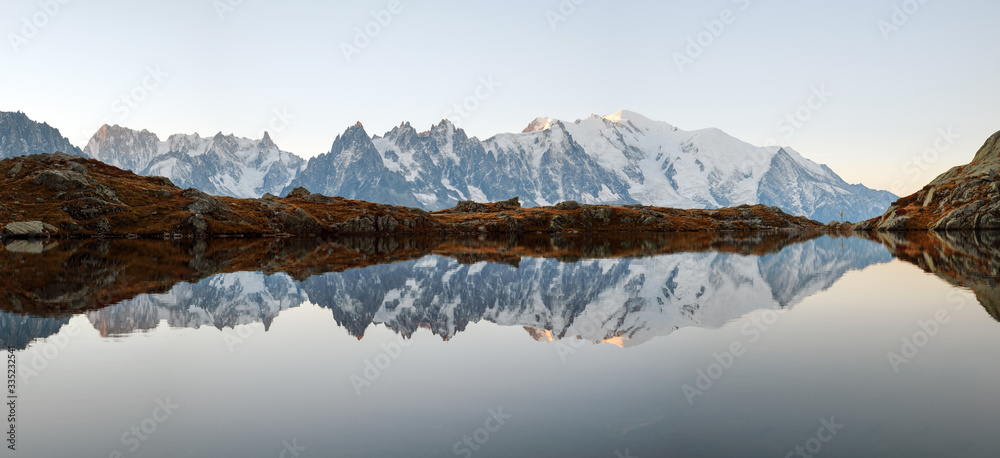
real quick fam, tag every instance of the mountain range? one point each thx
(222, 165)
(624, 158)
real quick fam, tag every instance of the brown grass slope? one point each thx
(80, 197)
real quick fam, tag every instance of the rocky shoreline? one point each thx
(63, 196)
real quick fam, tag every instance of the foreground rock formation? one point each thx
(69, 196)
(964, 198)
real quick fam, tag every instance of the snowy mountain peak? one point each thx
(622, 116)
(539, 124)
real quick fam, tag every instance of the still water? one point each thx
(617, 346)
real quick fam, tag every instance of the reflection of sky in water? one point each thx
(244, 391)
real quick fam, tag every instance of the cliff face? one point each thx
(964, 198)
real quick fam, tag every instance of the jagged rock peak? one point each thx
(266, 142)
(990, 150)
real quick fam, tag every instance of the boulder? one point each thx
(16, 169)
(208, 205)
(299, 192)
(514, 202)
(468, 206)
(78, 168)
(29, 230)
(60, 180)
(28, 246)
(299, 222)
(568, 205)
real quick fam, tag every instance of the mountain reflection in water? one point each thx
(620, 289)
(627, 288)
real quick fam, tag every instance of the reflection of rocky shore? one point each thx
(620, 289)
(704, 282)
(80, 275)
(966, 259)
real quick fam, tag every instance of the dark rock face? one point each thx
(20, 136)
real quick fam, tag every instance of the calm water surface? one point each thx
(659, 346)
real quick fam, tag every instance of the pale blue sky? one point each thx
(940, 70)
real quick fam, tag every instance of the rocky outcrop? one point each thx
(964, 198)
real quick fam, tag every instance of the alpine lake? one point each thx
(619, 345)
